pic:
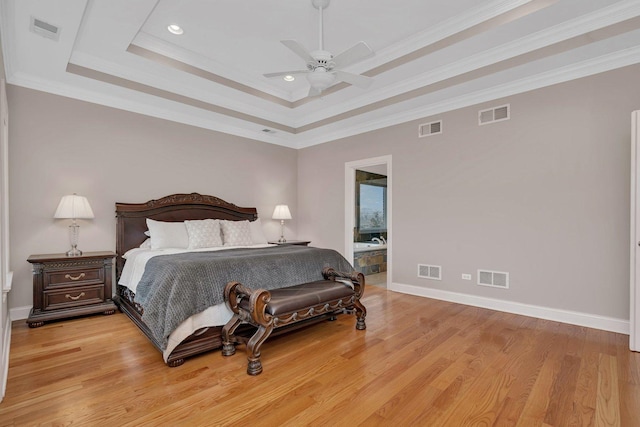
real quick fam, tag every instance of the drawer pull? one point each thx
(78, 277)
(75, 298)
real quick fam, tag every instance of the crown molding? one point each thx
(161, 81)
(222, 109)
(169, 54)
(575, 71)
(443, 30)
(194, 59)
(542, 39)
(217, 123)
(224, 124)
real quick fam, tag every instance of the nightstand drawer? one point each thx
(73, 297)
(66, 286)
(73, 277)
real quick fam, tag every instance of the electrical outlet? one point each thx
(466, 277)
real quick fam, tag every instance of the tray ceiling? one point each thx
(430, 57)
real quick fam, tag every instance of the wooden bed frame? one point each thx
(130, 228)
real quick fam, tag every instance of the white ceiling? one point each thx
(431, 56)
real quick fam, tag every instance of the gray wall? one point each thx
(543, 196)
(60, 146)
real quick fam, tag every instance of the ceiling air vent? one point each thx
(265, 130)
(430, 271)
(44, 29)
(428, 129)
(492, 115)
(495, 279)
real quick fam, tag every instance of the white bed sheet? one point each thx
(217, 315)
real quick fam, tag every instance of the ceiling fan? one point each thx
(324, 69)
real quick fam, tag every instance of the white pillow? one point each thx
(257, 235)
(236, 233)
(204, 233)
(146, 244)
(167, 234)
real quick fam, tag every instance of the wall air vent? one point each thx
(496, 279)
(496, 114)
(44, 29)
(430, 271)
(428, 129)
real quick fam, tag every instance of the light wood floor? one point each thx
(420, 362)
(377, 279)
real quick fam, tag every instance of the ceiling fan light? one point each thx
(289, 78)
(320, 79)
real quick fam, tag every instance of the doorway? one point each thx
(374, 228)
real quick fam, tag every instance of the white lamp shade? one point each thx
(281, 212)
(74, 207)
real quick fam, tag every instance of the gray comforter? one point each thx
(175, 287)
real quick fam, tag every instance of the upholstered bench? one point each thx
(286, 307)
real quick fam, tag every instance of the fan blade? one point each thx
(354, 79)
(285, 73)
(354, 54)
(298, 49)
(314, 92)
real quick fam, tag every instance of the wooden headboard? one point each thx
(131, 217)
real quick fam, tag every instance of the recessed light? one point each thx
(289, 78)
(175, 29)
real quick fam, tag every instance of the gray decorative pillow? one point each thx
(236, 233)
(204, 233)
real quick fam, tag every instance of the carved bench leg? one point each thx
(361, 313)
(175, 363)
(228, 346)
(254, 366)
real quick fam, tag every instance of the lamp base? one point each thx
(74, 252)
(74, 232)
(282, 239)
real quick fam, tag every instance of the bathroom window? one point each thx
(373, 207)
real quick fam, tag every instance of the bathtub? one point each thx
(367, 246)
(369, 257)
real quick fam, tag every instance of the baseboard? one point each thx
(565, 316)
(19, 313)
(4, 359)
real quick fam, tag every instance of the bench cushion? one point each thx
(294, 298)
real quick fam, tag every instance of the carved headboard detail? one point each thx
(131, 217)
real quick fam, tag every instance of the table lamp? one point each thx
(74, 207)
(281, 212)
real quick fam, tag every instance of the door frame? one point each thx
(634, 263)
(350, 209)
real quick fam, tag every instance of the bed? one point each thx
(200, 332)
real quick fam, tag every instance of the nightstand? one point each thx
(66, 286)
(292, 242)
